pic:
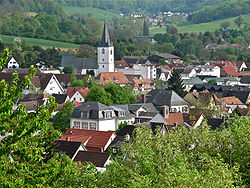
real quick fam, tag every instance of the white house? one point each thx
(50, 84)
(207, 70)
(12, 63)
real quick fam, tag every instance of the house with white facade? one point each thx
(93, 115)
(50, 84)
(12, 63)
(208, 70)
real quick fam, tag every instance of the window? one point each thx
(85, 125)
(103, 51)
(74, 99)
(92, 126)
(103, 59)
(107, 115)
(111, 52)
(77, 125)
(80, 99)
(103, 66)
(122, 114)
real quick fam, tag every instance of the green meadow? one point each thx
(95, 12)
(40, 42)
(203, 27)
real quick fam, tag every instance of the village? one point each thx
(213, 92)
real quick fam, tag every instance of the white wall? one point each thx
(106, 60)
(77, 97)
(210, 71)
(53, 87)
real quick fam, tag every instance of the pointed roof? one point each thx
(105, 41)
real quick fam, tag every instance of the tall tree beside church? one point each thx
(145, 28)
(175, 83)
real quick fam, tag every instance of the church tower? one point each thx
(106, 52)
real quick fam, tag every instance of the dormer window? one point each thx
(108, 115)
(103, 51)
(122, 114)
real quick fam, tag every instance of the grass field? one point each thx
(40, 42)
(203, 27)
(95, 12)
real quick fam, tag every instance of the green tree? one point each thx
(93, 30)
(184, 158)
(175, 83)
(120, 94)
(86, 51)
(74, 82)
(166, 48)
(89, 81)
(145, 28)
(26, 155)
(61, 121)
(224, 25)
(68, 70)
(239, 21)
(99, 94)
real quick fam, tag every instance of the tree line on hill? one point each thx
(224, 10)
(37, 6)
(151, 6)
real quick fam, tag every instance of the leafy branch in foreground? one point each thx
(27, 157)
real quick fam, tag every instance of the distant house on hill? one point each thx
(12, 63)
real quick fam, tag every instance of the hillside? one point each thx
(196, 28)
(40, 42)
(95, 12)
(151, 6)
(37, 6)
(224, 10)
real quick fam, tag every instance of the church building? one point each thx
(103, 63)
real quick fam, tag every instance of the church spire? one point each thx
(105, 41)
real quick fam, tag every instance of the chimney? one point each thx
(144, 98)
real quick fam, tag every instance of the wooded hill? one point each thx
(224, 10)
(37, 6)
(151, 6)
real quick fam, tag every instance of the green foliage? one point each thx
(212, 81)
(175, 83)
(224, 25)
(68, 70)
(100, 95)
(239, 21)
(27, 158)
(120, 126)
(185, 158)
(111, 94)
(61, 121)
(145, 28)
(219, 11)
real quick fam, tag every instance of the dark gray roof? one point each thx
(90, 63)
(245, 80)
(91, 110)
(242, 95)
(161, 97)
(168, 56)
(214, 123)
(97, 158)
(105, 41)
(68, 147)
(149, 106)
(70, 60)
(60, 98)
(159, 119)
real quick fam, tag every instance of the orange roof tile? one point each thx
(232, 100)
(230, 70)
(113, 77)
(175, 118)
(96, 140)
(71, 90)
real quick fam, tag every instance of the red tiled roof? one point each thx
(143, 81)
(36, 81)
(76, 103)
(232, 100)
(175, 118)
(113, 77)
(121, 64)
(230, 70)
(97, 140)
(131, 77)
(71, 90)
